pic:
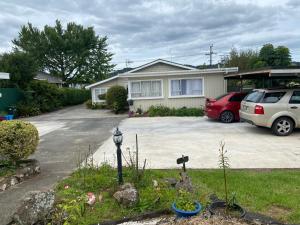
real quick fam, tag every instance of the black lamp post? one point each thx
(118, 139)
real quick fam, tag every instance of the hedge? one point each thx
(166, 111)
(40, 97)
(116, 98)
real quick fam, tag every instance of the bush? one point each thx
(44, 95)
(27, 109)
(166, 111)
(91, 105)
(18, 140)
(102, 97)
(71, 96)
(116, 98)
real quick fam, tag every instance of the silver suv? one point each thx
(278, 109)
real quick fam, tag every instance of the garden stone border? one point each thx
(27, 169)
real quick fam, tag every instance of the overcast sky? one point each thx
(177, 30)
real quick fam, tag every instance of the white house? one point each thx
(162, 82)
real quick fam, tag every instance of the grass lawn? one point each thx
(272, 192)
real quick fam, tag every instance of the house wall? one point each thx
(159, 67)
(213, 86)
(118, 81)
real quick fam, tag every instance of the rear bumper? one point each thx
(254, 119)
(210, 113)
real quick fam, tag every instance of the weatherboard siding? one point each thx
(118, 81)
(213, 87)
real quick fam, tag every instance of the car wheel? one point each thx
(227, 117)
(283, 126)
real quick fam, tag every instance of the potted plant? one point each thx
(229, 207)
(185, 205)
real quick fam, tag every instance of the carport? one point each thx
(266, 78)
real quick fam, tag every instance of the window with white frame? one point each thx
(186, 87)
(98, 92)
(146, 89)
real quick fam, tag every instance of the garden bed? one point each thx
(256, 190)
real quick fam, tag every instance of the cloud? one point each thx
(151, 29)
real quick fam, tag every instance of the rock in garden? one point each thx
(35, 207)
(127, 195)
(184, 182)
(171, 181)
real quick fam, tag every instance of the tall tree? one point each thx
(244, 59)
(21, 67)
(267, 54)
(76, 54)
(282, 57)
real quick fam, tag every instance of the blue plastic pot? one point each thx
(9, 117)
(184, 214)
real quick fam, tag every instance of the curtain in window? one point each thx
(146, 89)
(186, 87)
(156, 88)
(175, 87)
(135, 89)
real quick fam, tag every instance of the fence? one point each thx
(9, 97)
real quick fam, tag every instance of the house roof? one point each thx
(265, 73)
(187, 69)
(4, 76)
(101, 82)
(49, 78)
(161, 61)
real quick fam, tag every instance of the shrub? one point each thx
(44, 95)
(27, 109)
(166, 111)
(102, 97)
(40, 97)
(18, 140)
(71, 96)
(91, 105)
(116, 98)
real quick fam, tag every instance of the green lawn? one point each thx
(272, 192)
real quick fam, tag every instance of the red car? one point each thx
(225, 108)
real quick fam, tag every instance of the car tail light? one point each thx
(259, 110)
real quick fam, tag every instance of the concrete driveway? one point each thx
(64, 135)
(163, 140)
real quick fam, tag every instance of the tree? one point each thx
(267, 54)
(75, 54)
(282, 57)
(244, 59)
(21, 67)
(275, 57)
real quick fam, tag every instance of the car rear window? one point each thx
(273, 97)
(237, 98)
(254, 96)
(221, 96)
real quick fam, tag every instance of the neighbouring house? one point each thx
(49, 78)
(162, 82)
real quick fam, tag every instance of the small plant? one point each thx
(224, 165)
(139, 111)
(185, 201)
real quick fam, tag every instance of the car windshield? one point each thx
(254, 96)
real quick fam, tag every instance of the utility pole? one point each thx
(128, 62)
(211, 52)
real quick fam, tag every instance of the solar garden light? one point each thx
(118, 139)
